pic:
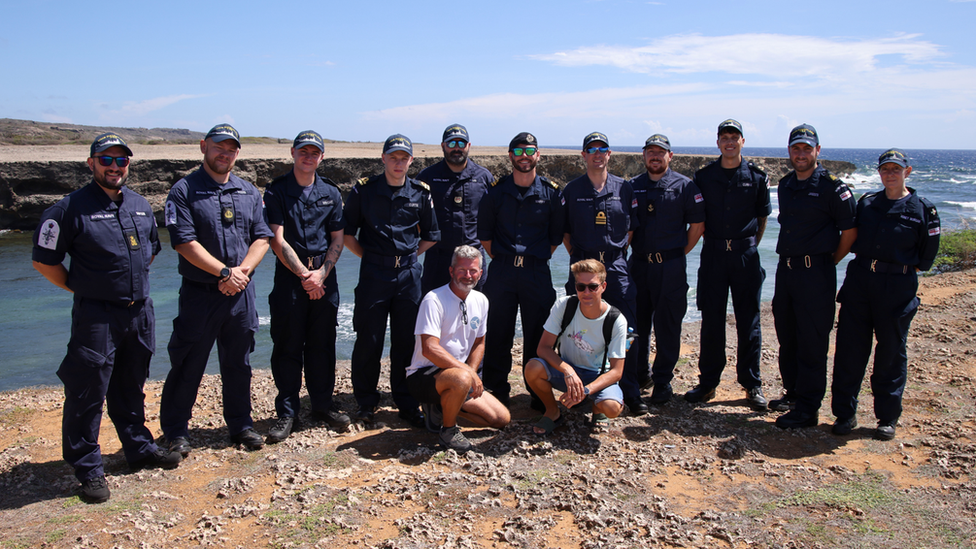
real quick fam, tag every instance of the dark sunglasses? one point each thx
(592, 150)
(120, 161)
(592, 287)
(529, 151)
(457, 144)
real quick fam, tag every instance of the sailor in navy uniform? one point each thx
(897, 236)
(737, 205)
(520, 224)
(456, 184)
(216, 224)
(304, 212)
(817, 228)
(390, 222)
(671, 217)
(110, 233)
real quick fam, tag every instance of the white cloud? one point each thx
(147, 106)
(769, 55)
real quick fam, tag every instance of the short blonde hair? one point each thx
(589, 266)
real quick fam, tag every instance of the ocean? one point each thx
(35, 323)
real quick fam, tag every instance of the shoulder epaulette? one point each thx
(550, 183)
(330, 182)
(929, 207)
(832, 177)
(752, 166)
(495, 182)
(362, 181)
(422, 185)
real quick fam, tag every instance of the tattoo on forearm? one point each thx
(291, 260)
(331, 256)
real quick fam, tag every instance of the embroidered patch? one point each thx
(845, 195)
(633, 204)
(934, 231)
(48, 237)
(169, 216)
(699, 198)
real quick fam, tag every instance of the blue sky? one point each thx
(866, 74)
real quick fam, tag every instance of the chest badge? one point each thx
(458, 199)
(131, 239)
(601, 218)
(650, 207)
(227, 213)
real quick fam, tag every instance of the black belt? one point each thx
(806, 261)
(314, 262)
(607, 256)
(731, 244)
(876, 266)
(123, 304)
(661, 256)
(519, 260)
(208, 286)
(394, 261)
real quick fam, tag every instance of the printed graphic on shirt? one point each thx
(49, 235)
(581, 344)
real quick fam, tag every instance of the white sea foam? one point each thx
(964, 205)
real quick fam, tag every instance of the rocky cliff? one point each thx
(27, 188)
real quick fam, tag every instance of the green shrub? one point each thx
(957, 251)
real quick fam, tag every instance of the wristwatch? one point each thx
(224, 273)
(586, 391)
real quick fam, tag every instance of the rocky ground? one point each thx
(713, 475)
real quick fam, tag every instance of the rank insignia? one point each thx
(601, 218)
(227, 212)
(650, 207)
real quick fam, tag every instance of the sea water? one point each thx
(36, 315)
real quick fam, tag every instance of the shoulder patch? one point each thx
(47, 237)
(169, 213)
(362, 181)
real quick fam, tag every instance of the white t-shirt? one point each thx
(440, 316)
(582, 342)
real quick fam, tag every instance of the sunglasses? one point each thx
(593, 150)
(464, 313)
(529, 151)
(592, 287)
(457, 144)
(120, 161)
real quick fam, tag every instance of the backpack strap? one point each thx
(608, 323)
(571, 307)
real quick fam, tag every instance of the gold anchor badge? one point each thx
(601, 218)
(132, 241)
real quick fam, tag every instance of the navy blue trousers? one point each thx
(803, 313)
(107, 360)
(511, 290)
(662, 300)
(206, 316)
(721, 271)
(384, 292)
(880, 305)
(304, 335)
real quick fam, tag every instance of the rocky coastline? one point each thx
(27, 188)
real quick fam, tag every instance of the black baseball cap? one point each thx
(730, 124)
(107, 141)
(894, 156)
(593, 137)
(524, 137)
(804, 133)
(398, 142)
(659, 141)
(455, 131)
(223, 132)
(309, 137)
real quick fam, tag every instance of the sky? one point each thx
(865, 74)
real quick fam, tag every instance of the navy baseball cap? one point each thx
(223, 132)
(455, 131)
(524, 137)
(398, 142)
(309, 137)
(894, 156)
(107, 141)
(730, 124)
(804, 133)
(594, 137)
(659, 141)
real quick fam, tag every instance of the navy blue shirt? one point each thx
(733, 207)
(904, 231)
(664, 209)
(390, 224)
(308, 220)
(111, 244)
(224, 219)
(812, 213)
(517, 224)
(599, 222)
(456, 200)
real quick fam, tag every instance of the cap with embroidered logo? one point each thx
(730, 124)
(223, 132)
(398, 142)
(455, 131)
(107, 141)
(309, 137)
(804, 133)
(595, 137)
(524, 138)
(894, 156)
(659, 141)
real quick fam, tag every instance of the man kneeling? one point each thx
(443, 374)
(579, 369)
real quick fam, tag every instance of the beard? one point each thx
(465, 285)
(517, 165)
(659, 170)
(212, 164)
(105, 184)
(456, 157)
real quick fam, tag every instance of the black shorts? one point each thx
(423, 385)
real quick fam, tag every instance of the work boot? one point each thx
(95, 490)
